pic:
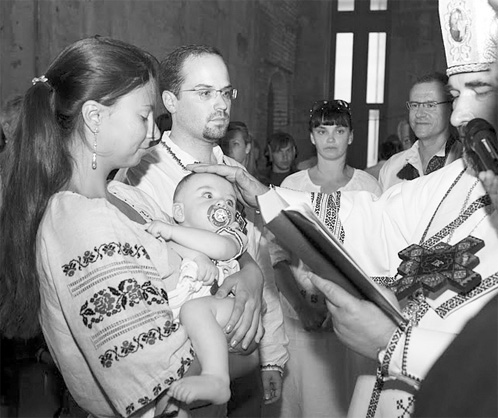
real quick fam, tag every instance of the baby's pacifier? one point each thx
(219, 216)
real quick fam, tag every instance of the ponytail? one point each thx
(40, 167)
(96, 68)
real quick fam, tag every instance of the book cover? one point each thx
(300, 231)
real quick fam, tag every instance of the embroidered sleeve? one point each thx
(106, 316)
(411, 353)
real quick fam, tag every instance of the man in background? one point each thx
(281, 151)
(429, 108)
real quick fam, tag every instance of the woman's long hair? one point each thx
(96, 68)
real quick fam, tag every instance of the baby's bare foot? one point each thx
(205, 387)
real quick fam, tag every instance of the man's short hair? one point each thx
(435, 77)
(280, 140)
(170, 70)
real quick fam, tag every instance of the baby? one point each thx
(205, 230)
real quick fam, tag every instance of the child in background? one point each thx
(281, 152)
(205, 229)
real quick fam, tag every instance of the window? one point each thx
(378, 5)
(343, 66)
(376, 67)
(373, 136)
(345, 5)
(359, 76)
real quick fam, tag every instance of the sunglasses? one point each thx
(331, 105)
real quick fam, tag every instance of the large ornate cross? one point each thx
(442, 266)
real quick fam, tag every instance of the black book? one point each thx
(301, 232)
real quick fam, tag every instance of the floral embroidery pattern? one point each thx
(110, 301)
(98, 253)
(137, 343)
(185, 364)
(156, 390)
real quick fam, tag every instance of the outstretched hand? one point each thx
(246, 186)
(359, 324)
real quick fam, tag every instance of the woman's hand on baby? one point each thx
(159, 229)
(207, 272)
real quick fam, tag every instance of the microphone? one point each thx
(480, 144)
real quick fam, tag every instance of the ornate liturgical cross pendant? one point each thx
(442, 266)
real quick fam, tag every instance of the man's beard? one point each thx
(214, 134)
(472, 167)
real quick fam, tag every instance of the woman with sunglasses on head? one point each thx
(321, 372)
(331, 132)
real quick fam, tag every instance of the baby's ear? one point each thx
(178, 212)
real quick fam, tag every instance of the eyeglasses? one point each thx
(424, 105)
(228, 93)
(333, 105)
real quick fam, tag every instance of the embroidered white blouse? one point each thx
(104, 307)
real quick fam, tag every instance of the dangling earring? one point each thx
(94, 155)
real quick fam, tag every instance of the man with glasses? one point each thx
(429, 110)
(424, 233)
(196, 90)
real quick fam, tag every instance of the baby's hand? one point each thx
(272, 385)
(207, 271)
(159, 229)
(311, 319)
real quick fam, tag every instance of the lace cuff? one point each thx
(273, 367)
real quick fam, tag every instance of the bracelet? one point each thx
(273, 367)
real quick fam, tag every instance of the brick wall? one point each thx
(285, 44)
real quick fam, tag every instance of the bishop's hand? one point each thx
(247, 186)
